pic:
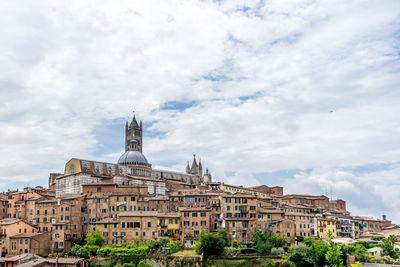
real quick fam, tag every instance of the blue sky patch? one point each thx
(178, 105)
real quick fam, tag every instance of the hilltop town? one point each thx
(130, 200)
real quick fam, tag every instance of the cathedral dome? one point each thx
(132, 157)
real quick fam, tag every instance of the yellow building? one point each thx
(327, 225)
(168, 225)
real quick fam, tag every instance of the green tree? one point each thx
(223, 234)
(263, 242)
(74, 250)
(388, 249)
(392, 239)
(210, 244)
(94, 239)
(83, 253)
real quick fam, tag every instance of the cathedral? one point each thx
(132, 168)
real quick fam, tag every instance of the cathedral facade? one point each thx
(132, 168)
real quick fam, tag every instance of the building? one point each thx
(11, 227)
(33, 243)
(132, 168)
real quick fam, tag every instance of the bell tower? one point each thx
(134, 135)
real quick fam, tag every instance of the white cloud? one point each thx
(67, 68)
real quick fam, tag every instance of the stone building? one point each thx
(70, 223)
(34, 243)
(11, 227)
(193, 221)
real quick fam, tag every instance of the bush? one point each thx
(277, 251)
(104, 251)
(231, 251)
(174, 245)
(265, 241)
(83, 253)
(144, 264)
(74, 250)
(210, 244)
(92, 249)
(94, 239)
(235, 243)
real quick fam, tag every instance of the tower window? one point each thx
(72, 169)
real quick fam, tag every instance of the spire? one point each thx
(194, 164)
(134, 122)
(187, 168)
(200, 168)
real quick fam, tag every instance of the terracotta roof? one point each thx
(26, 235)
(8, 221)
(138, 214)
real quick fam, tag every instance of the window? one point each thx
(72, 169)
(203, 223)
(148, 224)
(123, 224)
(194, 214)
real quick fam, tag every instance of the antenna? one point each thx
(331, 193)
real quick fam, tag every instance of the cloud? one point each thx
(248, 86)
(370, 194)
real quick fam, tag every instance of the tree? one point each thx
(263, 242)
(94, 239)
(210, 244)
(83, 253)
(223, 234)
(392, 239)
(388, 249)
(74, 250)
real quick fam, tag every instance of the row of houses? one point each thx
(35, 221)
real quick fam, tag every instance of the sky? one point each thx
(298, 93)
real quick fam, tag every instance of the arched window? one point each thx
(72, 169)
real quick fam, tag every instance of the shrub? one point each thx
(94, 239)
(210, 244)
(277, 251)
(144, 264)
(83, 253)
(231, 251)
(92, 249)
(265, 241)
(235, 243)
(74, 250)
